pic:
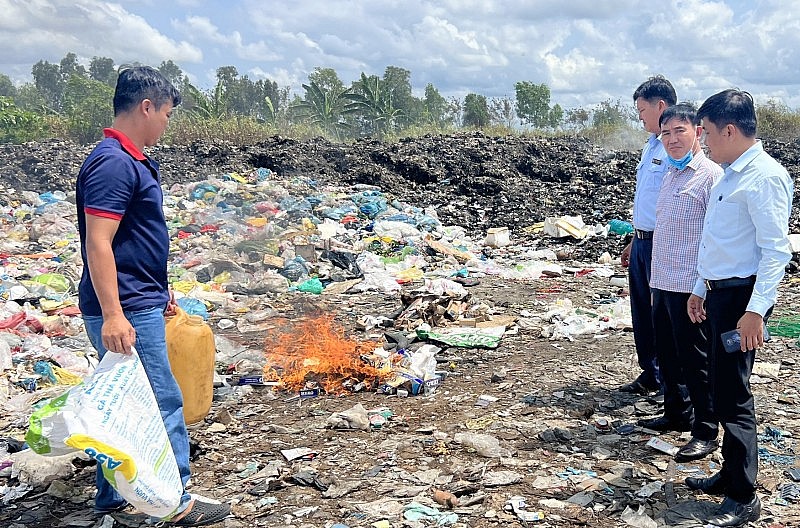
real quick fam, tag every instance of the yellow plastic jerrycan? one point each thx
(191, 348)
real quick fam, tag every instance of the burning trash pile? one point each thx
(313, 356)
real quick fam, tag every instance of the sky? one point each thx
(586, 51)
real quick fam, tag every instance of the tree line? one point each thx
(68, 100)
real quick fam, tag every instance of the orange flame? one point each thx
(316, 350)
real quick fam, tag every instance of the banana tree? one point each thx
(207, 106)
(373, 102)
(325, 109)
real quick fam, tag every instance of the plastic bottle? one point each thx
(191, 349)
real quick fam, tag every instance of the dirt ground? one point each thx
(567, 445)
(551, 395)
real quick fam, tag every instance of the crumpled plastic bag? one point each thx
(638, 518)
(311, 286)
(33, 469)
(354, 418)
(419, 512)
(51, 228)
(5, 356)
(484, 444)
(377, 281)
(113, 417)
(465, 337)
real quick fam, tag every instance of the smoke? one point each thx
(625, 138)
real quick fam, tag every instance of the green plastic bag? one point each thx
(56, 281)
(311, 286)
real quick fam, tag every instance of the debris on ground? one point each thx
(417, 334)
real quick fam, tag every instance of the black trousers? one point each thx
(734, 406)
(682, 351)
(642, 311)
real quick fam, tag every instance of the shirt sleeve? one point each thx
(108, 187)
(769, 204)
(699, 288)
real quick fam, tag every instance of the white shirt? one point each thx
(745, 231)
(649, 175)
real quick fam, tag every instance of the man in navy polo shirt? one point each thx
(124, 244)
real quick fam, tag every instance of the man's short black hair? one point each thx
(681, 112)
(137, 83)
(731, 107)
(656, 88)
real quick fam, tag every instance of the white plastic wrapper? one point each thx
(114, 418)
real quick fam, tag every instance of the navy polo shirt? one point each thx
(118, 182)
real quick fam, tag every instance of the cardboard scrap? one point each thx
(447, 249)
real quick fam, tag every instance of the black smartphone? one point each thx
(732, 341)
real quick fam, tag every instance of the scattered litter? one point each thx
(518, 505)
(484, 400)
(358, 293)
(662, 445)
(638, 518)
(355, 417)
(583, 498)
(299, 453)
(418, 512)
(650, 489)
(500, 478)
(445, 498)
(484, 444)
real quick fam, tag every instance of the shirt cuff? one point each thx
(102, 214)
(700, 288)
(758, 305)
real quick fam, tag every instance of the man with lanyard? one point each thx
(743, 252)
(123, 290)
(681, 344)
(652, 97)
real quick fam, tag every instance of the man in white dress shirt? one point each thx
(743, 252)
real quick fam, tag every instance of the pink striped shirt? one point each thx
(680, 209)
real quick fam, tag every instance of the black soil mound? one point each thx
(473, 180)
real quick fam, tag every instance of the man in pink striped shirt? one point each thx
(680, 343)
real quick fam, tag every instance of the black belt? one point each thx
(735, 282)
(643, 234)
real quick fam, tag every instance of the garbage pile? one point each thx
(236, 238)
(379, 339)
(472, 180)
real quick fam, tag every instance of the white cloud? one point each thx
(281, 76)
(573, 70)
(586, 51)
(200, 29)
(49, 29)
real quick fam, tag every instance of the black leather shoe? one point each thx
(732, 513)
(695, 449)
(662, 424)
(637, 386)
(713, 485)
